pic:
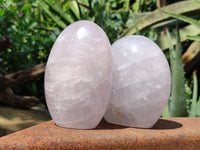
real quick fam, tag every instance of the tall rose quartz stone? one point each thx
(141, 83)
(78, 76)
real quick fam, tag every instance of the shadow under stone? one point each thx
(161, 124)
(103, 125)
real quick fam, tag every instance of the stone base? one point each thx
(167, 134)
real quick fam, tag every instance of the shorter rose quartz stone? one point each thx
(78, 76)
(141, 83)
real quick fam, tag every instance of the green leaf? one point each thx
(198, 108)
(57, 8)
(33, 24)
(171, 50)
(135, 24)
(192, 112)
(177, 105)
(197, 1)
(136, 6)
(195, 38)
(79, 9)
(75, 9)
(185, 19)
(126, 5)
(26, 7)
(156, 16)
(189, 30)
(54, 17)
(165, 113)
(172, 57)
(2, 12)
(107, 7)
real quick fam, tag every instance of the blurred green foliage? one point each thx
(33, 26)
(32, 41)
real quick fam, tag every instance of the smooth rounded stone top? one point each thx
(78, 76)
(141, 83)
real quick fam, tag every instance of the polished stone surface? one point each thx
(141, 83)
(78, 76)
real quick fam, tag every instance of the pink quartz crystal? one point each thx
(78, 76)
(141, 83)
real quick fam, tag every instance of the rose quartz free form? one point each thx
(141, 83)
(78, 76)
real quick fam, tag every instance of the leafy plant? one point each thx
(177, 104)
(105, 13)
(155, 17)
(191, 104)
(192, 111)
(198, 108)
